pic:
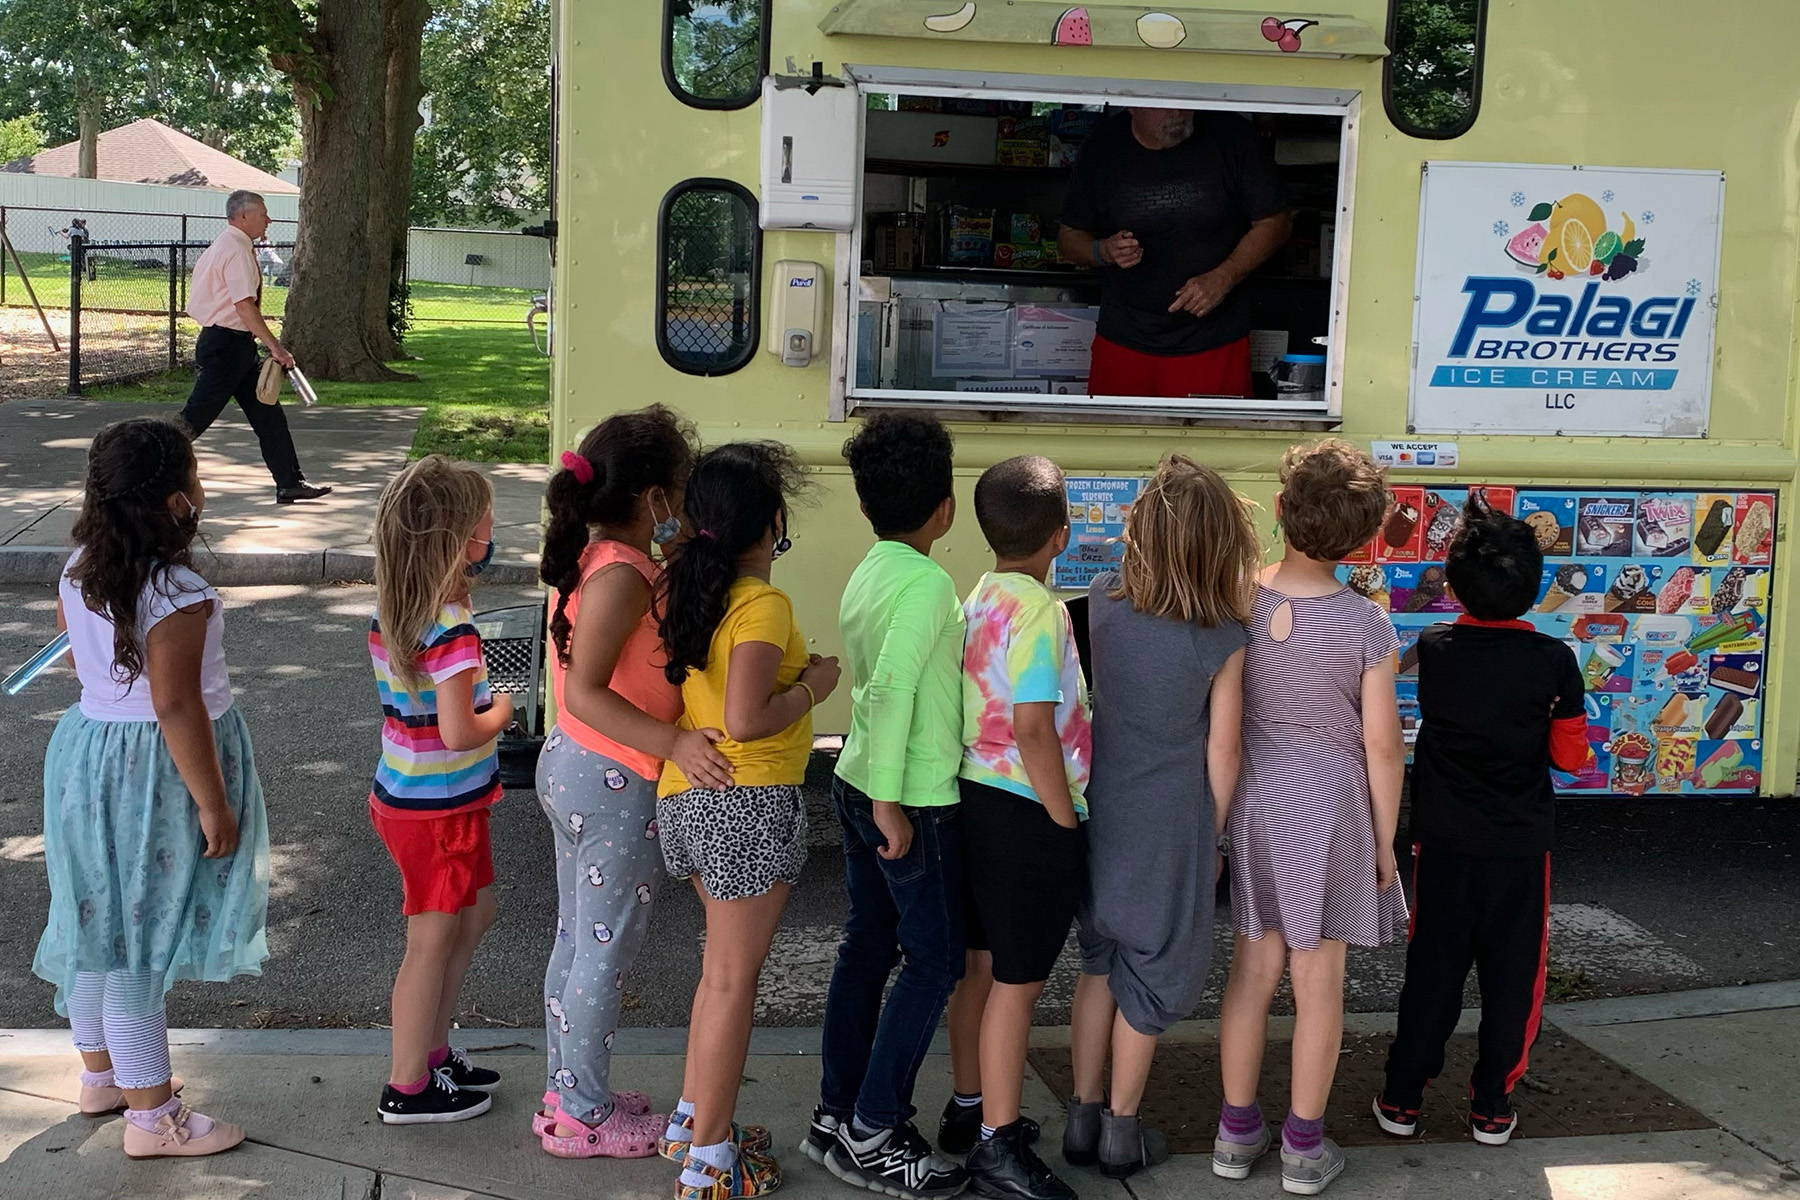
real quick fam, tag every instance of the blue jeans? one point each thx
(907, 908)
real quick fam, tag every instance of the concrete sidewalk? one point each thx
(43, 448)
(307, 1098)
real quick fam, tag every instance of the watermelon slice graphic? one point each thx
(1074, 29)
(1526, 244)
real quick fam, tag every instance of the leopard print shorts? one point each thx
(741, 841)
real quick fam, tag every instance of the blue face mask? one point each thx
(665, 530)
(481, 564)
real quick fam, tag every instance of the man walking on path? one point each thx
(225, 298)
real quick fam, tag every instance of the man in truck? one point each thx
(1175, 208)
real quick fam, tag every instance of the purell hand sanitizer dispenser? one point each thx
(797, 293)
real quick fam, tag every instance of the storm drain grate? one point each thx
(1571, 1091)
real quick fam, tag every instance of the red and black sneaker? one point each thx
(1495, 1128)
(1394, 1120)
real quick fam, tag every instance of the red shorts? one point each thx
(1221, 371)
(443, 861)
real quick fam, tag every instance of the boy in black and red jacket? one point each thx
(1499, 705)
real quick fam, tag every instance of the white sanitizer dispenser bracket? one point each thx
(798, 296)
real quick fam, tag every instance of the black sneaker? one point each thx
(821, 1136)
(896, 1162)
(1004, 1167)
(1395, 1120)
(1495, 1126)
(960, 1128)
(441, 1101)
(465, 1074)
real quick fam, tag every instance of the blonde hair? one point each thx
(1190, 547)
(1333, 498)
(423, 523)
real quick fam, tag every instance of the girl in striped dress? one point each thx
(1312, 825)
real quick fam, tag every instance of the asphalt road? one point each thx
(1650, 895)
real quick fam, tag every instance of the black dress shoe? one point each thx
(300, 491)
(960, 1127)
(1004, 1167)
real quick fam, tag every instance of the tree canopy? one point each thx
(483, 155)
(1432, 63)
(64, 60)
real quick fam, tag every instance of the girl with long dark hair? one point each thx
(742, 665)
(155, 834)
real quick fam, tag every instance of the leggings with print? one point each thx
(603, 823)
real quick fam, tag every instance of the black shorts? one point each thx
(1024, 875)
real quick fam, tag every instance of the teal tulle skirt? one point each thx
(129, 888)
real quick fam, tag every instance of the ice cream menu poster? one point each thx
(1662, 595)
(1098, 506)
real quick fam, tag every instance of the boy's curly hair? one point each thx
(903, 465)
(1333, 498)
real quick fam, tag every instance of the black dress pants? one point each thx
(1489, 913)
(228, 370)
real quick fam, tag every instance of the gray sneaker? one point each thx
(1304, 1176)
(1233, 1160)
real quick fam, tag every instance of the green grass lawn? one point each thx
(485, 389)
(124, 285)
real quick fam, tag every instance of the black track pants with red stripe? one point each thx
(1489, 913)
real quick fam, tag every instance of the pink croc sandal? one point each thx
(635, 1103)
(622, 1135)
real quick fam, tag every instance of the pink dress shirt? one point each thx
(225, 273)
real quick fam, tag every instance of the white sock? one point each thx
(987, 1131)
(685, 1107)
(970, 1101)
(722, 1156)
(864, 1132)
(678, 1132)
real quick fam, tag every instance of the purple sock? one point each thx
(1240, 1123)
(98, 1078)
(1301, 1136)
(146, 1118)
(413, 1088)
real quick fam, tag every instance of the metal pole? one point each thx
(172, 351)
(2, 259)
(77, 252)
(184, 241)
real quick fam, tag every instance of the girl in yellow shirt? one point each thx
(742, 666)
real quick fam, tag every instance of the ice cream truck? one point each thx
(1543, 250)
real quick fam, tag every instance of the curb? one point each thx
(246, 568)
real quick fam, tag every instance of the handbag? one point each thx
(270, 382)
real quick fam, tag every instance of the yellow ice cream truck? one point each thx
(1546, 250)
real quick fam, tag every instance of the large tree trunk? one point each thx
(87, 115)
(391, 196)
(326, 323)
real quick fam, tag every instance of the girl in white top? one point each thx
(155, 834)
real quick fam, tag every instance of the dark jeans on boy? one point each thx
(906, 910)
(1489, 913)
(227, 371)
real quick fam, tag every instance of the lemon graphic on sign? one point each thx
(1576, 245)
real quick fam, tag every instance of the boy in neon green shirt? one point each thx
(896, 799)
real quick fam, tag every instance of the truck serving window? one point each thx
(709, 258)
(715, 52)
(1431, 81)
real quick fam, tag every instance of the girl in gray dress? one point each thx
(1167, 638)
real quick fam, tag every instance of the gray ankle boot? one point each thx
(1081, 1133)
(1127, 1146)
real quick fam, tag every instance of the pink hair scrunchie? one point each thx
(578, 466)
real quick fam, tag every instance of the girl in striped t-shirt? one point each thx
(438, 773)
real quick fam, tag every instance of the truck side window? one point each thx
(709, 263)
(715, 52)
(1431, 81)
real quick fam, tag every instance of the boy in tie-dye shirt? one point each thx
(1026, 749)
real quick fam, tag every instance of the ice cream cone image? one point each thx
(1569, 582)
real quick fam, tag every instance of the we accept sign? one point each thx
(1565, 300)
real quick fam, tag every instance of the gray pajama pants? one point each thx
(603, 822)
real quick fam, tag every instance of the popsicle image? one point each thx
(1398, 529)
(1713, 528)
(1430, 587)
(1442, 531)
(1720, 765)
(1675, 592)
(1725, 714)
(1730, 592)
(1674, 714)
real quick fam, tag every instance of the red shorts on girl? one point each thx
(1118, 371)
(443, 861)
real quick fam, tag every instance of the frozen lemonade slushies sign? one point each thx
(1565, 300)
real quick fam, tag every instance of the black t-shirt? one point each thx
(1189, 206)
(1481, 768)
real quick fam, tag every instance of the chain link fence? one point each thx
(101, 296)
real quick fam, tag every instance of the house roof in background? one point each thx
(147, 151)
